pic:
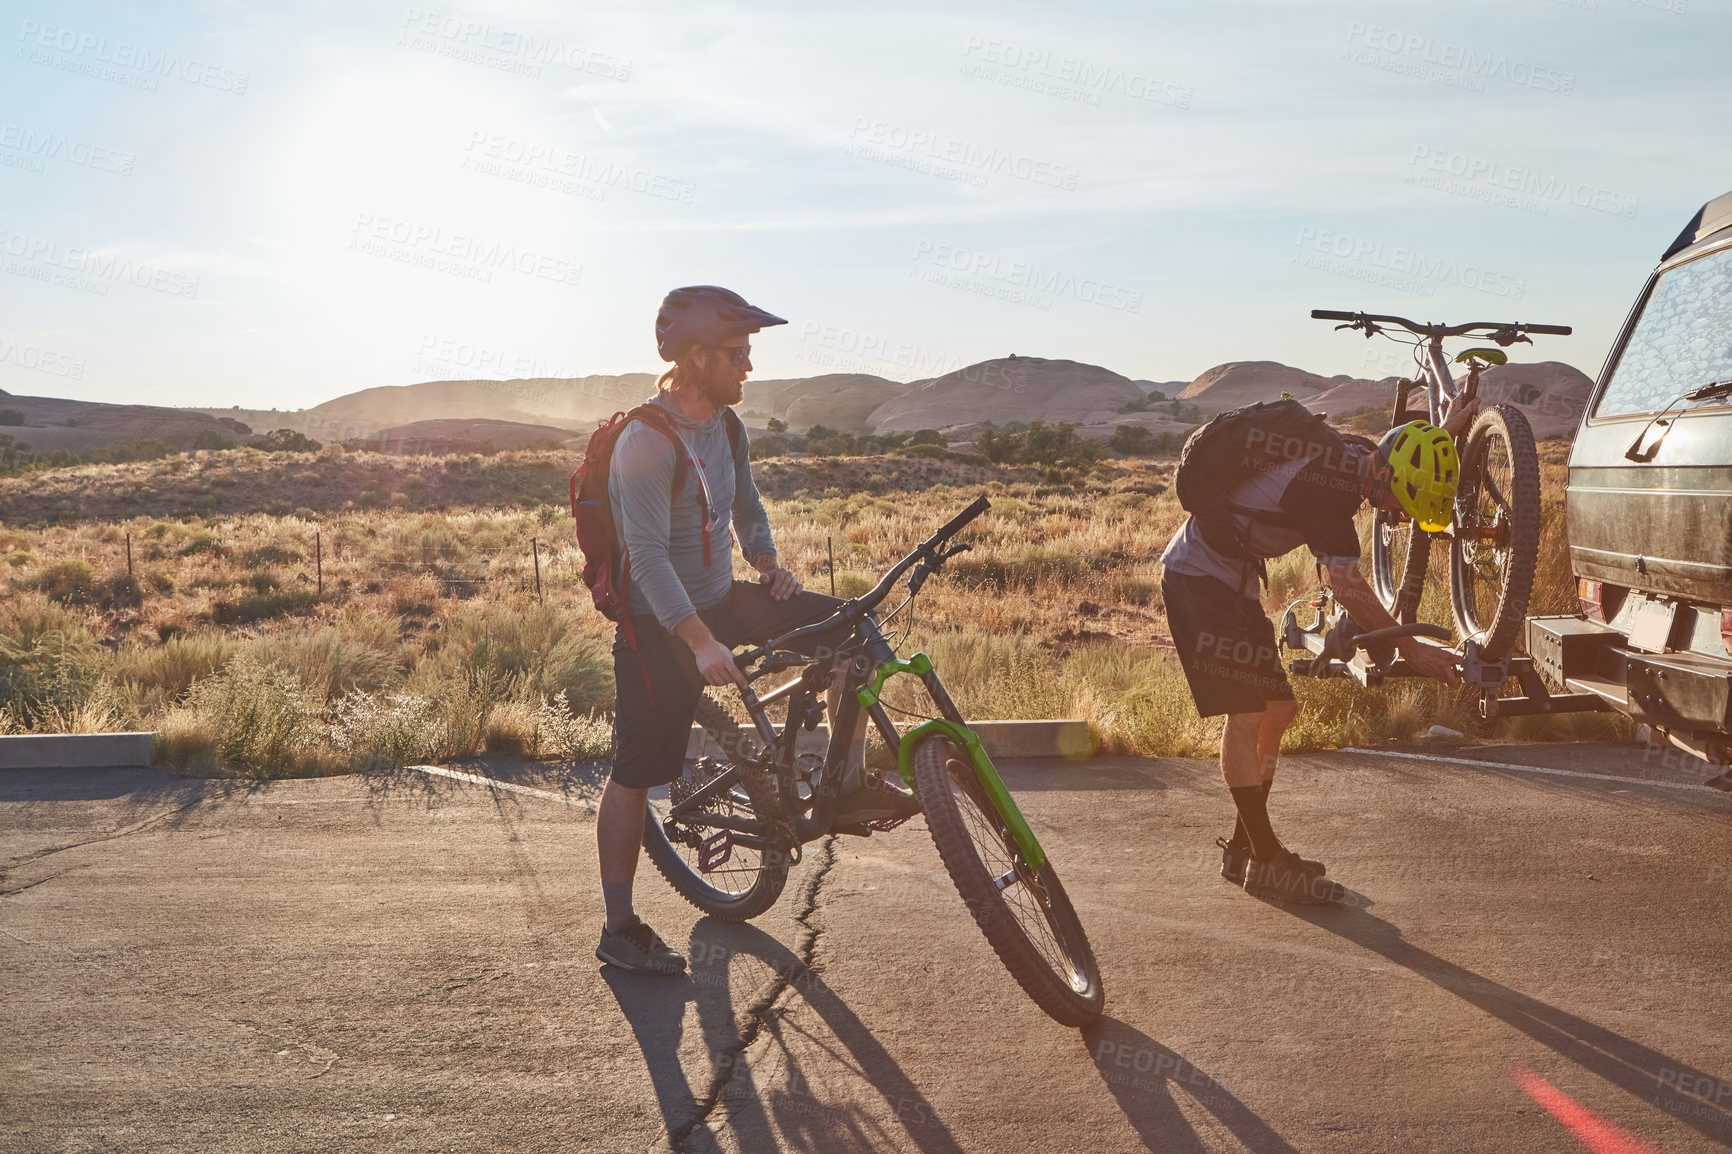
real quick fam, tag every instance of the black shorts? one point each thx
(1226, 645)
(657, 685)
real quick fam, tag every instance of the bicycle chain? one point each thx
(743, 753)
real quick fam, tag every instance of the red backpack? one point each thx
(606, 568)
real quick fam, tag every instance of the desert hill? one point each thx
(1168, 389)
(443, 415)
(574, 403)
(1246, 382)
(1010, 389)
(475, 435)
(52, 423)
(841, 400)
(1549, 393)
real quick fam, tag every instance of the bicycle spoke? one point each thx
(1497, 496)
(1026, 901)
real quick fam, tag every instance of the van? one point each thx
(1649, 513)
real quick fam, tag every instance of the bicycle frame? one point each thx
(859, 692)
(1440, 382)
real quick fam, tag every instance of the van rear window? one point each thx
(1682, 340)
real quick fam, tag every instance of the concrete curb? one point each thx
(75, 750)
(1066, 738)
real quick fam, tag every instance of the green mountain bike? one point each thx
(731, 827)
(1494, 535)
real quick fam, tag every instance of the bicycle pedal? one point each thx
(885, 824)
(715, 850)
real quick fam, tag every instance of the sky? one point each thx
(269, 205)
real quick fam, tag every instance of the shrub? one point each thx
(339, 660)
(211, 439)
(11, 417)
(769, 445)
(263, 606)
(171, 668)
(1132, 439)
(270, 555)
(513, 727)
(574, 736)
(386, 731)
(126, 449)
(121, 591)
(927, 437)
(70, 582)
(48, 659)
(1039, 444)
(251, 717)
(925, 452)
(202, 542)
(540, 647)
(287, 441)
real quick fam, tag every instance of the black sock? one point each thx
(1251, 801)
(1240, 838)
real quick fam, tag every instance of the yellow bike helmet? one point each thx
(1427, 472)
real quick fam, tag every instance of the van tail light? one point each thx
(1726, 629)
(1590, 595)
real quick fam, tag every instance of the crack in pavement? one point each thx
(26, 859)
(732, 1059)
(31, 885)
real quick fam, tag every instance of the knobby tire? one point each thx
(1517, 494)
(754, 793)
(1058, 970)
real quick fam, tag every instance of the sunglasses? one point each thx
(740, 356)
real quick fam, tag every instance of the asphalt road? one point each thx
(405, 963)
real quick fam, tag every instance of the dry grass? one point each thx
(427, 641)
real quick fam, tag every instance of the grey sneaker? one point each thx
(639, 949)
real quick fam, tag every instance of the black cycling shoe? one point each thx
(874, 801)
(1235, 856)
(1286, 879)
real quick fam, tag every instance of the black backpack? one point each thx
(1235, 446)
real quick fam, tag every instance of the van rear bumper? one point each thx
(1686, 696)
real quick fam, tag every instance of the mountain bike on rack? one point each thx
(732, 826)
(1495, 528)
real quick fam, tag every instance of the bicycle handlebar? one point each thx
(853, 610)
(1359, 319)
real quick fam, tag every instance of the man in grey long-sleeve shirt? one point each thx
(686, 609)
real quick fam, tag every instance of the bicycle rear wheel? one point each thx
(1024, 912)
(1497, 530)
(1400, 556)
(729, 874)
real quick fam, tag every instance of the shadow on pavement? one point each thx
(789, 1110)
(572, 781)
(1142, 1075)
(1644, 1072)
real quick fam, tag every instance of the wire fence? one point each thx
(546, 569)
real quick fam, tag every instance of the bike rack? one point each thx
(1339, 648)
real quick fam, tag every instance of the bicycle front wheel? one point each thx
(1400, 556)
(1024, 912)
(731, 873)
(1497, 530)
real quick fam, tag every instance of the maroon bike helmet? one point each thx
(705, 315)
